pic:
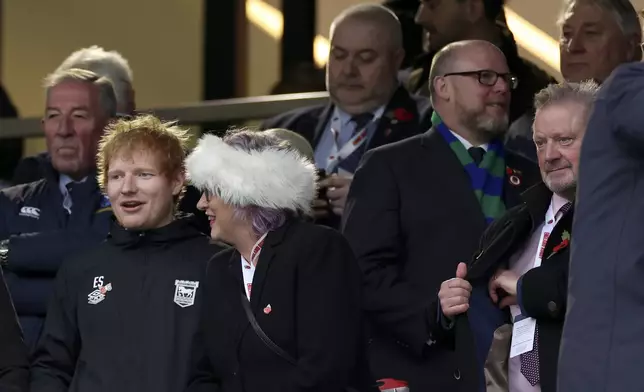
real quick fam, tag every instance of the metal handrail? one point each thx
(236, 109)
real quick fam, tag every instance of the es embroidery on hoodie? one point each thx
(100, 292)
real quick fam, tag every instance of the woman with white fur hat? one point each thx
(281, 308)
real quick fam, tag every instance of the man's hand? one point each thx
(320, 208)
(507, 282)
(337, 191)
(454, 293)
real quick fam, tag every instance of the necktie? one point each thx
(477, 154)
(351, 162)
(530, 360)
(565, 208)
(67, 197)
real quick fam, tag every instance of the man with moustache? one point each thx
(368, 108)
(595, 36)
(418, 207)
(45, 221)
(523, 257)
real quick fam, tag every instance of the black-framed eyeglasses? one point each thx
(489, 78)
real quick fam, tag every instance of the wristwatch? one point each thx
(4, 253)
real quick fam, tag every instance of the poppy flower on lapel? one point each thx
(565, 241)
(514, 175)
(402, 114)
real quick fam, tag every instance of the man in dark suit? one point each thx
(418, 207)
(602, 345)
(368, 108)
(523, 258)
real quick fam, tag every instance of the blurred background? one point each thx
(187, 51)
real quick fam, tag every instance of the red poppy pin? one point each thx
(514, 175)
(403, 115)
(565, 241)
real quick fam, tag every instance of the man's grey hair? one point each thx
(623, 11)
(109, 64)
(107, 98)
(584, 93)
(377, 14)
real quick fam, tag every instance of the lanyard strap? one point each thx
(248, 267)
(548, 225)
(338, 153)
(257, 248)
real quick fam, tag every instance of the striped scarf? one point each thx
(487, 178)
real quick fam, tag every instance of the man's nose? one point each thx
(502, 85)
(129, 184)
(418, 18)
(552, 152)
(65, 127)
(575, 44)
(349, 67)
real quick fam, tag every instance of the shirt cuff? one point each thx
(444, 322)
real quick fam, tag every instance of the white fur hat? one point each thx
(271, 178)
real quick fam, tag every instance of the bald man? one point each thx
(367, 106)
(418, 207)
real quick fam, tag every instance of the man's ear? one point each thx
(399, 57)
(441, 88)
(178, 182)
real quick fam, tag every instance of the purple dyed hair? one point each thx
(262, 219)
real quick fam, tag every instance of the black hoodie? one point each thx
(123, 315)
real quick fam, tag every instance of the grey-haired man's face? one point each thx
(592, 44)
(73, 124)
(558, 133)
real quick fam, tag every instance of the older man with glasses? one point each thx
(417, 208)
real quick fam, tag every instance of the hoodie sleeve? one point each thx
(54, 359)
(45, 251)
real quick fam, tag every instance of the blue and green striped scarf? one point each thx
(487, 178)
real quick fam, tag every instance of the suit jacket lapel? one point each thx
(234, 268)
(266, 259)
(400, 120)
(558, 236)
(515, 182)
(237, 288)
(439, 153)
(322, 121)
(510, 232)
